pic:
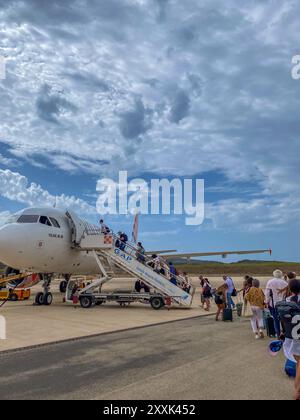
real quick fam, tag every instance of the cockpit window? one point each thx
(45, 221)
(54, 222)
(28, 218)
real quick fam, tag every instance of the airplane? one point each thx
(40, 241)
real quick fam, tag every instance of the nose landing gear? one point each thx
(45, 297)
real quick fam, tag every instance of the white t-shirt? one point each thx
(276, 285)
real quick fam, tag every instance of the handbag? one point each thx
(234, 293)
(247, 310)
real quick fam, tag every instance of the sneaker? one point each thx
(257, 336)
(261, 334)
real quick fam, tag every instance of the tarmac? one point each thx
(191, 359)
(28, 325)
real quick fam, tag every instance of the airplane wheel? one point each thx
(39, 299)
(63, 286)
(157, 303)
(48, 299)
(86, 302)
(14, 297)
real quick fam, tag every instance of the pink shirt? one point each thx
(276, 285)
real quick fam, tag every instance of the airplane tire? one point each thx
(86, 302)
(157, 303)
(39, 299)
(48, 299)
(63, 286)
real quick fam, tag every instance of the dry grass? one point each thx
(239, 269)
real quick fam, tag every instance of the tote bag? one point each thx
(247, 310)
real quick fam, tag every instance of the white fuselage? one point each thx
(41, 248)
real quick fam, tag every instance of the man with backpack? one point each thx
(231, 292)
(275, 292)
(289, 314)
(123, 240)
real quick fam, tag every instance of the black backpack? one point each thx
(289, 314)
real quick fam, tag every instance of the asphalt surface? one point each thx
(190, 359)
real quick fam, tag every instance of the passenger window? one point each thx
(45, 221)
(28, 218)
(54, 222)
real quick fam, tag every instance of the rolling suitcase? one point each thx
(239, 309)
(269, 324)
(227, 315)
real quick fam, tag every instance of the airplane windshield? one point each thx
(45, 221)
(54, 222)
(28, 218)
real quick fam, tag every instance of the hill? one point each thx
(241, 268)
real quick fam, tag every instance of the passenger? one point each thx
(145, 287)
(151, 263)
(206, 293)
(157, 264)
(187, 284)
(256, 298)
(247, 285)
(123, 241)
(292, 347)
(288, 277)
(220, 299)
(230, 291)
(118, 243)
(140, 252)
(201, 278)
(276, 292)
(173, 274)
(138, 286)
(104, 229)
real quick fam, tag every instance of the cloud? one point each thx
(4, 216)
(52, 105)
(16, 187)
(180, 107)
(156, 86)
(135, 122)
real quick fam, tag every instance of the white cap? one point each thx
(278, 274)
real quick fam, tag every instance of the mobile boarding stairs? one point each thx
(112, 255)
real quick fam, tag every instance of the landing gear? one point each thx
(63, 286)
(39, 299)
(48, 299)
(45, 297)
(64, 283)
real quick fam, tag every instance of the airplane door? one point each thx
(77, 227)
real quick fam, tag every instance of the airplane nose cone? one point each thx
(4, 243)
(8, 245)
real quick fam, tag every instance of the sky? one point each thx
(161, 89)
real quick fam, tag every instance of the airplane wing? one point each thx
(224, 254)
(161, 252)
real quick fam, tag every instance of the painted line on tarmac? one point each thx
(86, 337)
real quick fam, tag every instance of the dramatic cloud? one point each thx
(156, 86)
(15, 186)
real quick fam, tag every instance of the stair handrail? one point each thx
(135, 253)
